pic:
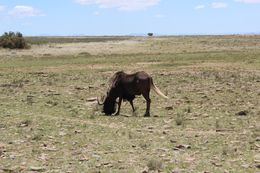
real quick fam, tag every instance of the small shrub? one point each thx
(13, 40)
(29, 100)
(37, 137)
(179, 119)
(154, 165)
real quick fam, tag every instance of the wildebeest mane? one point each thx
(114, 79)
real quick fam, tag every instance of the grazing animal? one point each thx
(126, 87)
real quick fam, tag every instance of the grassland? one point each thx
(71, 39)
(211, 123)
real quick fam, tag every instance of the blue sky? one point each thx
(123, 17)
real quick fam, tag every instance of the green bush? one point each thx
(13, 40)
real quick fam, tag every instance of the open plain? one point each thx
(50, 121)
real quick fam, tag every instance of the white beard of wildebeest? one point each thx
(109, 106)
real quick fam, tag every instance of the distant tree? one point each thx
(13, 40)
(150, 34)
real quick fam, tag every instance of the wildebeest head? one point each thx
(109, 103)
(109, 106)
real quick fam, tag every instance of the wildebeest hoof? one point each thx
(146, 115)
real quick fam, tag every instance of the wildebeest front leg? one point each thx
(132, 104)
(119, 105)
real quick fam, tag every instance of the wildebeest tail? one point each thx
(157, 90)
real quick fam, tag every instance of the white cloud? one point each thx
(198, 7)
(125, 5)
(21, 11)
(219, 5)
(249, 1)
(159, 16)
(2, 8)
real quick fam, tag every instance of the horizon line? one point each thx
(139, 35)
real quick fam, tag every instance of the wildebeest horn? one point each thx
(100, 102)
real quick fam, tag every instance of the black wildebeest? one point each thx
(126, 87)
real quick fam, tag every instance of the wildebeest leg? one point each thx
(119, 105)
(148, 102)
(132, 104)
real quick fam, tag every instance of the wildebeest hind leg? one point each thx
(148, 102)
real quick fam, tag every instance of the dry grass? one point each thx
(140, 45)
(210, 123)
